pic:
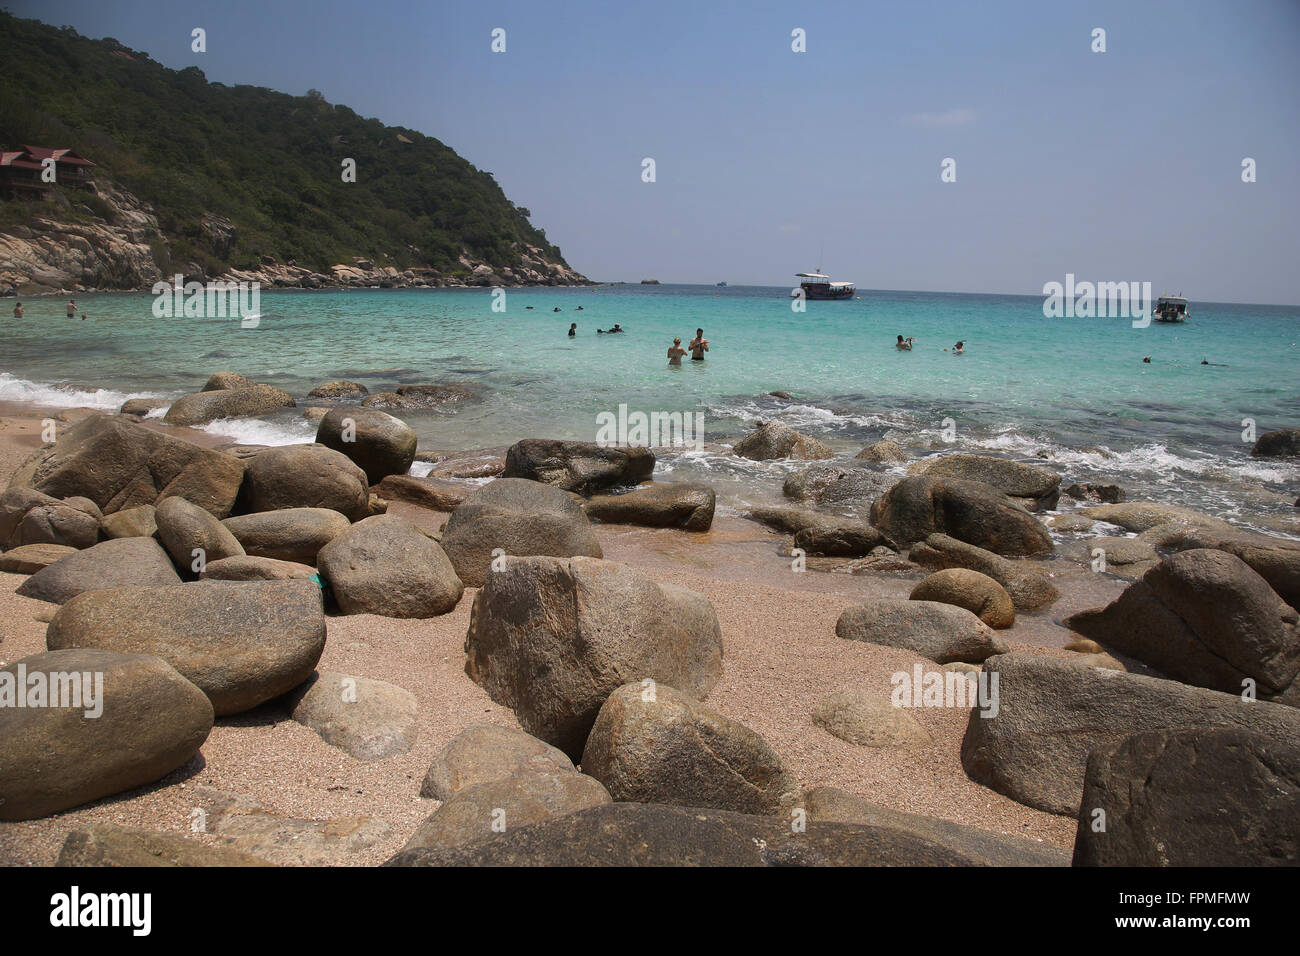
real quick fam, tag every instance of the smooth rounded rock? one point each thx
(653, 744)
(977, 593)
(386, 565)
(241, 643)
(378, 443)
(291, 534)
(122, 562)
(306, 476)
(148, 720)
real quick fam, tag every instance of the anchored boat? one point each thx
(818, 285)
(1170, 308)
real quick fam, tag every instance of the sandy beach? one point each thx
(781, 656)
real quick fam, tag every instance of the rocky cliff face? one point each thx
(65, 248)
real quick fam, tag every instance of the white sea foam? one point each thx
(14, 389)
(255, 431)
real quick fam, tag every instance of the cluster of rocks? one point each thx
(197, 582)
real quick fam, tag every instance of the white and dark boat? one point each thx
(1170, 308)
(818, 285)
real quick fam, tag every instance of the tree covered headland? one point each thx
(268, 161)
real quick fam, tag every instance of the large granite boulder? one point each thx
(1283, 443)
(1204, 617)
(1220, 797)
(977, 593)
(339, 390)
(829, 805)
(241, 643)
(29, 517)
(247, 567)
(838, 488)
(482, 753)
(118, 464)
(552, 638)
(845, 539)
(291, 534)
(1029, 589)
(1052, 713)
(306, 476)
(653, 744)
(148, 720)
(121, 562)
(138, 522)
(772, 440)
(219, 381)
(486, 810)
(376, 441)
(385, 565)
(941, 632)
(792, 520)
(884, 451)
(436, 494)
(185, 528)
(200, 408)
(969, 511)
(519, 517)
(680, 504)
(30, 558)
(1276, 560)
(647, 834)
(1033, 487)
(578, 466)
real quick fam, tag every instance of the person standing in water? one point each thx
(699, 345)
(904, 344)
(72, 307)
(675, 352)
(18, 310)
(573, 329)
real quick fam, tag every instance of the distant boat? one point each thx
(1170, 308)
(721, 285)
(818, 285)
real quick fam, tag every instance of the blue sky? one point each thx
(1116, 166)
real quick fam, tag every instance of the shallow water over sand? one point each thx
(1073, 393)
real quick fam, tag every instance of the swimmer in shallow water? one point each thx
(699, 345)
(675, 352)
(573, 329)
(904, 344)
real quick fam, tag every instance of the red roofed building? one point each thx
(21, 171)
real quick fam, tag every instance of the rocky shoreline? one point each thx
(585, 666)
(67, 250)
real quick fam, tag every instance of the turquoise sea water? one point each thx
(1074, 389)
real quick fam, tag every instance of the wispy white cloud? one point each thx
(957, 117)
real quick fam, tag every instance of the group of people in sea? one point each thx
(72, 310)
(573, 330)
(699, 345)
(905, 345)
